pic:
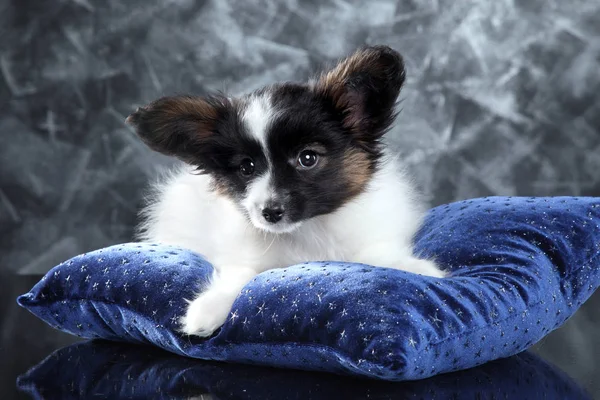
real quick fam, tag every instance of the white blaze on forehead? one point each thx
(259, 192)
(257, 117)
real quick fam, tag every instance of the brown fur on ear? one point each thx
(177, 125)
(363, 88)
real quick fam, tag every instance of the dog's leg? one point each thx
(211, 308)
(391, 255)
(419, 266)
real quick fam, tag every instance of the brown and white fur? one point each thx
(286, 174)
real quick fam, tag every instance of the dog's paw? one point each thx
(207, 313)
(423, 267)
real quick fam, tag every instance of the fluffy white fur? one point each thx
(375, 228)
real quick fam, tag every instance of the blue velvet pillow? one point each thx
(520, 267)
(116, 371)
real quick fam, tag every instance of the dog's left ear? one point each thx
(180, 126)
(364, 88)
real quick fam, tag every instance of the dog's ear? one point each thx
(364, 88)
(179, 125)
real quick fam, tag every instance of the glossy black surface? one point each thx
(113, 370)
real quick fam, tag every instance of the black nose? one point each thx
(272, 214)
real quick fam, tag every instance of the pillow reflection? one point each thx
(114, 371)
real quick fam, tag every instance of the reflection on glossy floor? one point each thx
(115, 371)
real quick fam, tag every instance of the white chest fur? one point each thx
(187, 213)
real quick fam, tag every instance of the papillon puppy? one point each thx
(290, 173)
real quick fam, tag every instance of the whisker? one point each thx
(272, 241)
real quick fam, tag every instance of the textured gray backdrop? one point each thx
(502, 99)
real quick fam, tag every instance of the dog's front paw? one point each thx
(423, 267)
(205, 315)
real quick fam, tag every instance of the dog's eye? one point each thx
(307, 159)
(247, 167)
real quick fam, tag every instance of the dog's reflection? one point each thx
(98, 369)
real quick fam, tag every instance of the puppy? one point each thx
(287, 174)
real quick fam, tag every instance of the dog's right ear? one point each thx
(364, 88)
(178, 125)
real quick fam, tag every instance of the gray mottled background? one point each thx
(502, 99)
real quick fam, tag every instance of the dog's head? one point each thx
(287, 152)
